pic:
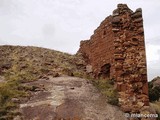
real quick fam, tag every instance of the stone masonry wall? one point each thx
(117, 50)
(100, 48)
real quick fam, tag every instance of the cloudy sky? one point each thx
(61, 24)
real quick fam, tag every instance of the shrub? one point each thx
(106, 87)
(8, 91)
(154, 92)
(78, 74)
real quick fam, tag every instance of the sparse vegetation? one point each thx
(106, 87)
(78, 74)
(154, 95)
(8, 91)
(19, 65)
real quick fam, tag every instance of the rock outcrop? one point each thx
(68, 98)
(116, 50)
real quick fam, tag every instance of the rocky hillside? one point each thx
(39, 77)
(154, 95)
(49, 80)
(154, 89)
(156, 81)
(38, 61)
(20, 65)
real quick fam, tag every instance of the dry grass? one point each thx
(24, 64)
(106, 87)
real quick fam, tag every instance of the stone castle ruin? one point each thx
(116, 50)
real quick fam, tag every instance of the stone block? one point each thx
(116, 20)
(135, 43)
(143, 71)
(118, 40)
(119, 79)
(122, 87)
(140, 104)
(118, 66)
(118, 51)
(89, 69)
(137, 15)
(141, 30)
(145, 89)
(127, 44)
(139, 10)
(138, 20)
(115, 30)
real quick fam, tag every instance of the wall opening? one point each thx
(105, 71)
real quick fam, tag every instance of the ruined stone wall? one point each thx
(100, 48)
(119, 42)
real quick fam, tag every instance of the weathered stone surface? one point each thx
(68, 98)
(89, 69)
(116, 20)
(137, 15)
(121, 45)
(139, 10)
(145, 89)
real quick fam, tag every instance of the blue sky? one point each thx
(62, 24)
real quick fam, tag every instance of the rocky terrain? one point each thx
(109, 68)
(154, 95)
(68, 98)
(38, 84)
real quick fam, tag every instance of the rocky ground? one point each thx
(67, 98)
(42, 84)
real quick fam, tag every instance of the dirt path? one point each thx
(68, 98)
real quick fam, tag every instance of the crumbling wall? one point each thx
(117, 46)
(99, 49)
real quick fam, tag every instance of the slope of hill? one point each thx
(19, 65)
(25, 60)
(156, 81)
(154, 89)
(35, 80)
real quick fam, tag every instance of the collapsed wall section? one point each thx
(117, 50)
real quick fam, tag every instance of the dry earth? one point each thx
(68, 98)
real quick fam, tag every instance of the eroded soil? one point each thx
(68, 98)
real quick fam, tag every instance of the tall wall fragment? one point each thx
(117, 50)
